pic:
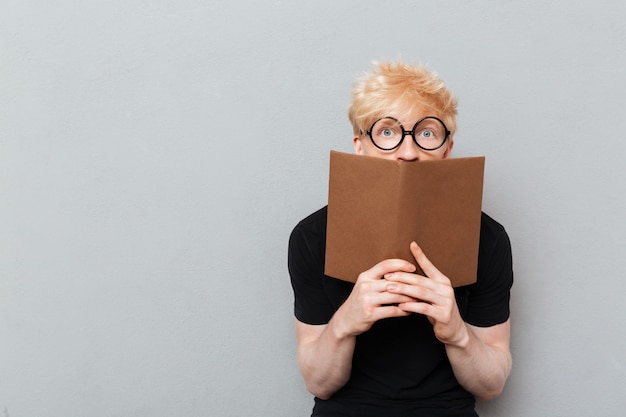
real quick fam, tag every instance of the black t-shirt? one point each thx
(399, 367)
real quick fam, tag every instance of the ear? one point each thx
(448, 150)
(358, 146)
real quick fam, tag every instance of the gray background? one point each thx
(156, 154)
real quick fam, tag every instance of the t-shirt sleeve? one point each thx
(489, 298)
(306, 270)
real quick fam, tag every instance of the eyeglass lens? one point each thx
(387, 133)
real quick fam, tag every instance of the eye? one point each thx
(387, 132)
(428, 134)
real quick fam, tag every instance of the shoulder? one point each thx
(489, 227)
(306, 256)
(486, 303)
(315, 221)
(307, 241)
(494, 240)
(311, 231)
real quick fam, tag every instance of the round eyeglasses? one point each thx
(429, 133)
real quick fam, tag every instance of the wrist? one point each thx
(463, 338)
(339, 326)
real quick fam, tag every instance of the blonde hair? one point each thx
(399, 87)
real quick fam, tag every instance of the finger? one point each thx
(415, 291)
(409, 278)
(429, 269)
(418, 307)
(392, 311)
(395, 298)
(374, 292)
(434, 313)
(387, 266)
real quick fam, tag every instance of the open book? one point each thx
(377, 207)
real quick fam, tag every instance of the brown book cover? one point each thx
(377, 207)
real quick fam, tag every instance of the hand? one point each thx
(433, 296)
(370, 301)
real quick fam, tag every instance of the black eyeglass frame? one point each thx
(409, 133)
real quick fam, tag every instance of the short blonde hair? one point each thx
(399, 87)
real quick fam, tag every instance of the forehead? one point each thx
(407, 116)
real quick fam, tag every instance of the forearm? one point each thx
(480, 368)
(325, 352)
(326, 360)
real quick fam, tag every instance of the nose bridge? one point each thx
(408, 149)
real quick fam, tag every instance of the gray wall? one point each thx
(154, 156)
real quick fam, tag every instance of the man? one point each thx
(396, 343)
